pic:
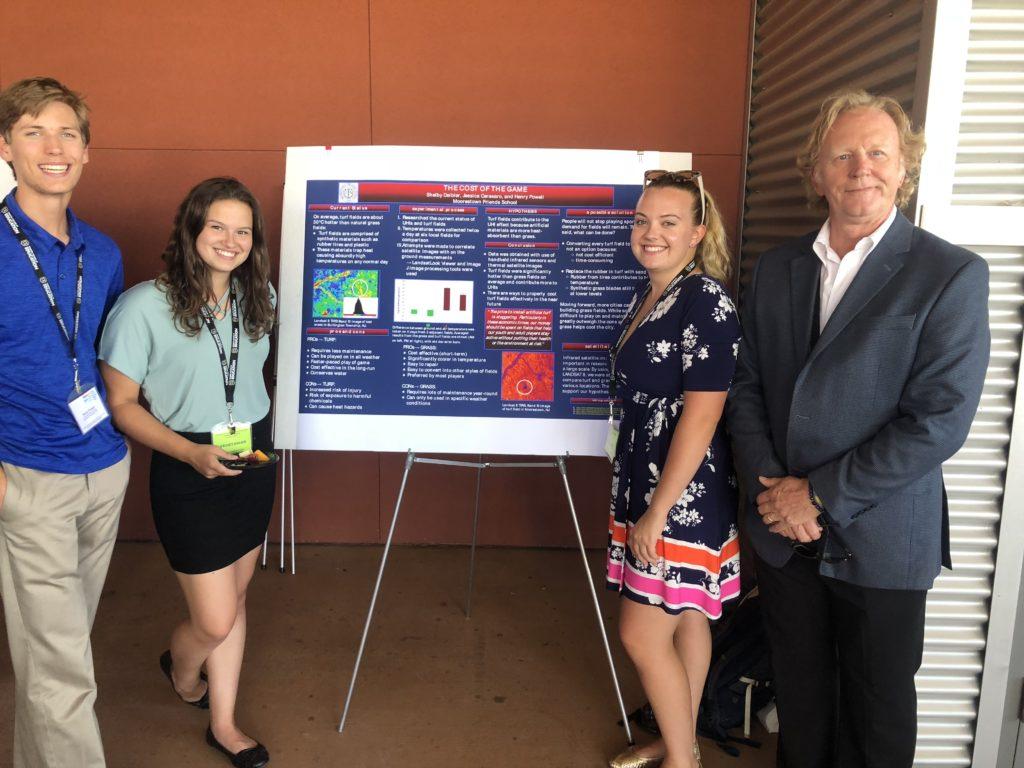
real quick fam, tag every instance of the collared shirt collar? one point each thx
(40, 235)
(864, 246)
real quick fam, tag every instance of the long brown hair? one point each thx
(712, 253)
(187, 279)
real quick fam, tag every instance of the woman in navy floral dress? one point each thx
(673, 545)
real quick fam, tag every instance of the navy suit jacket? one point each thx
(871, 410)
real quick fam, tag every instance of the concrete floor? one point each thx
(522, 683)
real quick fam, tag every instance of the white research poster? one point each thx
(454, 300)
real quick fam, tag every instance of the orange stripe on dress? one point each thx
(617, 530)
(697, 556)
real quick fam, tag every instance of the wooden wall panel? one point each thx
(132, 195)
(518, 506)
(336, 498)
(659, 74)
(181, 92)
(723, 175)
(227, 75)
(136, 521)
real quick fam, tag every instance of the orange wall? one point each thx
(184, 91)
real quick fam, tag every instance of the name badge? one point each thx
(234, 437)
(87, 407)
(611, 440)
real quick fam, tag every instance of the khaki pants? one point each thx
(56, 537)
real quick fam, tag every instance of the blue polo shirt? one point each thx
(37, 429)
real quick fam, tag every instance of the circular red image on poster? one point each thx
(528, 376)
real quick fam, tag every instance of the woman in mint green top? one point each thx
(175, 342)
(180, 375)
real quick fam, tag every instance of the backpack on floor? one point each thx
(739, 681)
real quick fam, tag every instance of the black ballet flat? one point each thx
(253, 757)
(203, 702)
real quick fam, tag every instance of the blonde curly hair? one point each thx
(911, 141)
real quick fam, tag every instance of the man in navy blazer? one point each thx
(860, 369)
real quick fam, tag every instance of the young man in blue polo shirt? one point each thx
(63, 467)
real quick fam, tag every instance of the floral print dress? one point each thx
(688, 342)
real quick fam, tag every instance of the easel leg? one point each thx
(284, 482)
(409, 459)
(291, 502)
(284, 512)
(472, 546)
(593, 594)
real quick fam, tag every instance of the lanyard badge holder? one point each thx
(84, 401)
(611, 441)
(231, 436)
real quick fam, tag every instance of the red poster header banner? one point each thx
(585, 347)
(347, 331)
(442, 209)
(600, 212)
(506, 244)
(346, 207)
(492, 194)
(525, 211)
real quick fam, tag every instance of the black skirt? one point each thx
(207, 524)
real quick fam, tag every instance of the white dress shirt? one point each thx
(837, 273)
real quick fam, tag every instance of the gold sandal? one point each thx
(629, 759)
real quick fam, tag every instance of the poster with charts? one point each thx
(453, 300)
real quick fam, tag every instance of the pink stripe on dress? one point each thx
(684, 595)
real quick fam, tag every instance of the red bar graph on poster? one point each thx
(433, 301)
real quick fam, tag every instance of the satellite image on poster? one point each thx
(344, 293)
